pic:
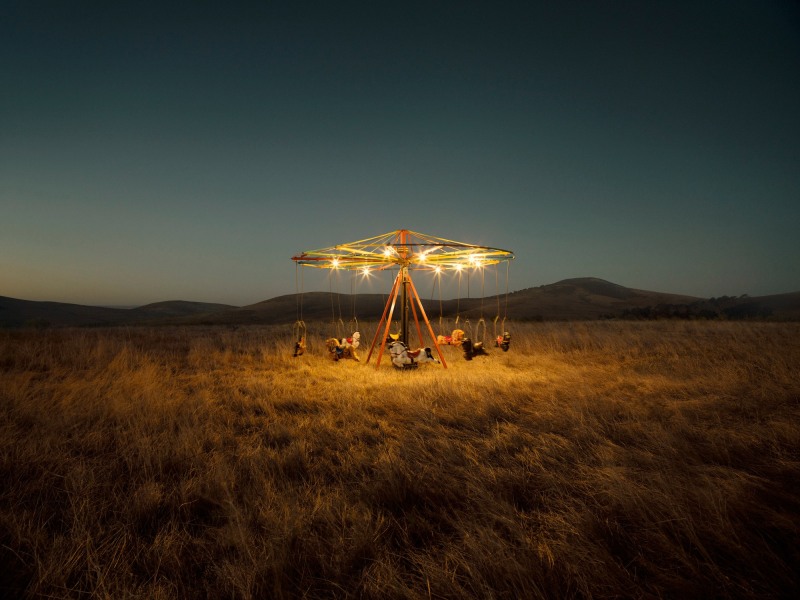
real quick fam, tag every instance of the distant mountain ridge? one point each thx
(584, 298)
(179, 308)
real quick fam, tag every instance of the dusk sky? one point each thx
(186, 150)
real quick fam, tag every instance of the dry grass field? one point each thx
(593, 460)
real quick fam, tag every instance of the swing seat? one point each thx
(299, 333)
(503, 341)
(472, 349)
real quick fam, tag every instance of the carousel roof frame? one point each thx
(404, 248)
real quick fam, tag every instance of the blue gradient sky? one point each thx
(156, 151)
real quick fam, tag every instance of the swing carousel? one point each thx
(406, 251)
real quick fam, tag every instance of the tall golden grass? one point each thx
(605, 459)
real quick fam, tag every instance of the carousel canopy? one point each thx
(403, 248)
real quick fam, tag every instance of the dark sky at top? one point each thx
(165, 150)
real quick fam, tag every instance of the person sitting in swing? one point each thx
(344, 348)
(453, 340)
(472, 349)
(503, 341)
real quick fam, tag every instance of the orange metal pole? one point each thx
(416, 320)
(430, 329)
(383, 318)
(388, 325)
(403, 253)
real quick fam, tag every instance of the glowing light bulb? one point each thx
(459, 267)
(335, 263)
(387, 252)
(475, 260)
(365, 271)
(437, 270)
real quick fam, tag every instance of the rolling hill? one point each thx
(583, 298)
(29, 313)
(578, 299)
